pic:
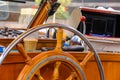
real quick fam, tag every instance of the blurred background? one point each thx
(20, 14)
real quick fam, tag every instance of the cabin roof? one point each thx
(101, 10)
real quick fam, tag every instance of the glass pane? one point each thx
(15, 14)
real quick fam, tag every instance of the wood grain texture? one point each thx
(14, 63)
(41, 42)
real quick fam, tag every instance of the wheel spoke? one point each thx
(38, 75)
(86, 59)
(59, 37)
(72, 76)
(23, 53)
(56, 71)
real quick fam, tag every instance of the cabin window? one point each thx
(102, 24)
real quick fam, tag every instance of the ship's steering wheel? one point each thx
(51, 63)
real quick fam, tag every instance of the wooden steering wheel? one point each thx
(55, 64)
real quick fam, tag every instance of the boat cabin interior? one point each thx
(101, 22)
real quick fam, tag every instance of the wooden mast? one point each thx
(43, 12)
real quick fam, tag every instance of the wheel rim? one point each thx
(52, 56)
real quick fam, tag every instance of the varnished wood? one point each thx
(56, 71)
(42, 14)
(86, 59)
(59, 36)
(14, 62)
(50, 55)
(39, 75)
(71, 77)
(23, 53)
(41, 42)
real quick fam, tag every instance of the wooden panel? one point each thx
(41, 42)
(14, 62)
(12, 66)
(111, 64)
(10, 71)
